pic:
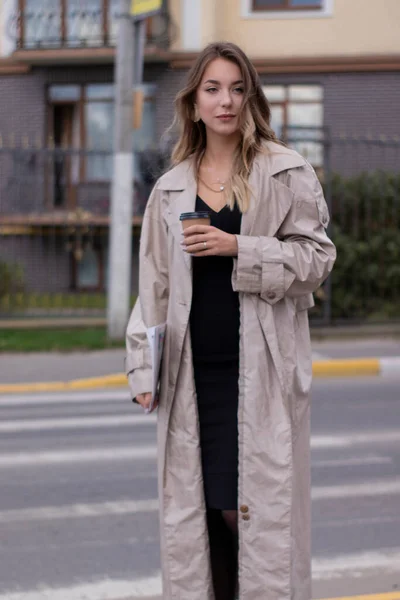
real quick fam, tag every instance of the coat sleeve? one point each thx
(299, 258)
(152, 304)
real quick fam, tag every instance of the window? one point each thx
(89, 270)
(89, 126)
(286, 9)
(287, 4)
(297, 117)
(99, 131)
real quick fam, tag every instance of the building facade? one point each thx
(326, 66)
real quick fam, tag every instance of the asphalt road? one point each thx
(78, 506)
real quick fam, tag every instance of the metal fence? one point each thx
(54, 222)
(361, 179)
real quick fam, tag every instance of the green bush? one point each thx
(11, 279)
(366, 230)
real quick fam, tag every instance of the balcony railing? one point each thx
(52, 24)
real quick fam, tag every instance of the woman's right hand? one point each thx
(145, 400)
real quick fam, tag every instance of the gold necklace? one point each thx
(221, 186)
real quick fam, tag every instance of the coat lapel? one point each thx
(181, 184)
(270, 200)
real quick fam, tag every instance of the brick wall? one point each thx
(22, 106)
(355, 103)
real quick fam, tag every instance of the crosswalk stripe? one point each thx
(354, 461)
(383, 436)
(44, 513)
(49, 513)
(9, 401)
(367, 488)
(15, 426)
(384, 561)
(318, 442)
(35, 459)
(383, 596)
(106, 589)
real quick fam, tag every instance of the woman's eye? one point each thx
(211, 89)
(239, 90)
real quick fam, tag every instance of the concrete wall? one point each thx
(354, 28)
(346, 28)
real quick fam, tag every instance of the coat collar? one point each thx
(275, 159)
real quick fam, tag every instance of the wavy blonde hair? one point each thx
(255, 118)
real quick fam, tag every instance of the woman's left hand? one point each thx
(204, 240)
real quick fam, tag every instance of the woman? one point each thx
(233, 414)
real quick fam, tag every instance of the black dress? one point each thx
(214, 325)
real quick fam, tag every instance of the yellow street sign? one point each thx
(140, 9)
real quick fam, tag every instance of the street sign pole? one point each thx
(120, 247)
(128, 70)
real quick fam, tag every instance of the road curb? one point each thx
(90, 383)
(354, 367)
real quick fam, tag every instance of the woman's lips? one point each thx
(226, 117)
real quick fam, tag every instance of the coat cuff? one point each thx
(275, 279)
(259, 269)
(246, 274)
(139, 371)
(140, 382)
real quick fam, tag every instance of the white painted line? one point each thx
(49, 513)
(362, 521)
(353, 462)
(83, 422)
(368, 488)
(44, 513)
(106, 589)
(84, 455)
(384, 436)
(385, 561)
(390, 365)
(71, 397)
(318, 356)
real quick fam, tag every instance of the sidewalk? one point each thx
(85, 370)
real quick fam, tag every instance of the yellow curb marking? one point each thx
(346, 368)
(385, 596)
(323, 368)
(117, 380)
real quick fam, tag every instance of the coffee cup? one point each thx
(195, 218)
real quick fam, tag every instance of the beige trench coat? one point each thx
(284, 255)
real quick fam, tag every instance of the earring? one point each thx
(196, 117)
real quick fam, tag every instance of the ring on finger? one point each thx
(205, 244)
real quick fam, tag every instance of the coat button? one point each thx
(271, 295)
(244, 509)
(246, 517)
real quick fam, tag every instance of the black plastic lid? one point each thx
(194, 215)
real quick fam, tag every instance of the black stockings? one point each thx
(223, 534)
